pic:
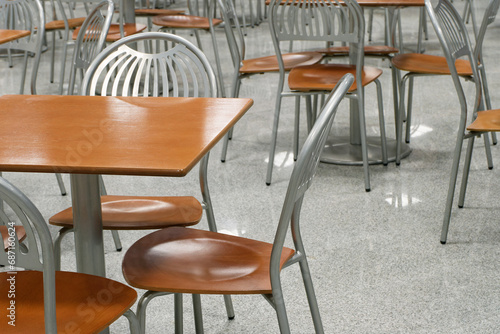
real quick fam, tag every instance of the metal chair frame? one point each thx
(36, 251)
(321, 21)
(452, 34)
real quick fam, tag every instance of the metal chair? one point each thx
(90, 40)
(167, 262)
(26, 15)
(324, 21)
(423, 65)
(62, 19)
(41, 298)
(174, 67)
(242, 67)
(454, 39)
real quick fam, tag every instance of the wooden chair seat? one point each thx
(157, 11)
(20, 232)
(429, 64)
(9, 35)
(184, 21)
(140, 212)
(59, 24)
(323, 77)
(188, 260)
(270, 63)
(487, 120)
(370, 50)
(84, 303)
(128, 29)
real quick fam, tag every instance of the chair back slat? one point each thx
(167, 65)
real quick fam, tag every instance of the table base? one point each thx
(339, 151)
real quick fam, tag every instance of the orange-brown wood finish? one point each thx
(128, 29)
(157, 11)
(9, 35)
(84, 303)
(429, 64)
(188, 260)
(270, 63)
(184, 21)
(20, 232)
(140, 212)
(487, 120)
(370, 50)
(321, 77)
(163, 136)
(59, 24)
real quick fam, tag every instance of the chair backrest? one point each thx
(303, 174)
(488, 18)
(318, 20)
(91, 39)
(169, 66)
(452, 34)
(36, 251)
(24, 15)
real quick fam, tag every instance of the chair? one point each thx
(166, 261)
(26, 15)
(247, 67)
(454, 39)
(324, 21)
(90, 39)
(63, 21)
(192, 22)
(422, 65)
(179, 69)
(42, 298)
(122, 28)
(148, 9)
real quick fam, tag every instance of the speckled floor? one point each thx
(376, 260)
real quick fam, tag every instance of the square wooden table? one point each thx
(91, 135)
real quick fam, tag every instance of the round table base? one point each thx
(339, 150)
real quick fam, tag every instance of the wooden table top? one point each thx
(112, 135)
(9, 35)
(376, 3)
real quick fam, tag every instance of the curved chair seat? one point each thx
(77, 298)
(59, 24)
(128, 29)
(370, 50)
(429, 64)
(140, 212)
(487, 120)
(184, 21)
(323, 77)
(188, 260)
(155, 11)
(270, 63)
(20, 232)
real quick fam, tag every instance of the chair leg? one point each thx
(487, 148)
(274, 135)
(234, 93)
(399, 120)
(311, 296)
(142, 306)
(452, 184)
(383, 140)
(409, 108)
(52, 60)
(279, 305)
(296, 128)
(57, 246)
(198, 315)
(178, 310)
(60, 182)
(465, 176)
(116, 239)
(133, 322)
(364, 148)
